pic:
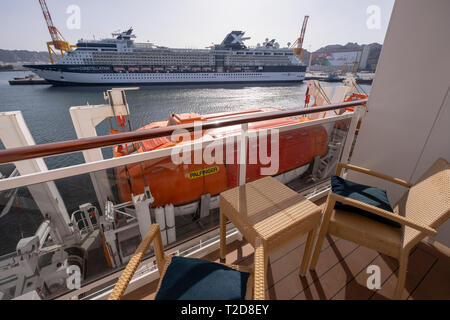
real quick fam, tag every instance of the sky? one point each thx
(196, 23)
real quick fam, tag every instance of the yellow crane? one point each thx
(353, 69)
(58, 42)
(298, 44)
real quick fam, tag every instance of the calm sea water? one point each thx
(46, 111)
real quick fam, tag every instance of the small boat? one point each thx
(364, 80)
(333, 77)
(27, 80)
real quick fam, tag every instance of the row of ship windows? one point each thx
(155, 60)
(146, 58)
(234, 53)
(177, 76)
(265, 53)
(107, 61)
(173, 61)
(119, 61)
(172, 53)
(190, 57)
(255, 57)
(166, 62)
(256, 61)
(200, 64)
(131, 56)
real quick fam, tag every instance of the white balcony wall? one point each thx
(407, 126)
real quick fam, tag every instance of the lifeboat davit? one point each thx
(181, 184)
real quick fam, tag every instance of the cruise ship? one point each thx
(121, 60)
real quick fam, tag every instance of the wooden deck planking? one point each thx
(340, 274)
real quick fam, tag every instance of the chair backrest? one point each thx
(428, 201)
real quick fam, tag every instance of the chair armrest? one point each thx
(259, 289)
(340, 166)
(127, 274)
(382, 213)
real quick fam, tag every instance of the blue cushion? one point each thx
(196, 279)
(367, 194)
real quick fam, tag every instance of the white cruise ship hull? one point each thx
(74, 78)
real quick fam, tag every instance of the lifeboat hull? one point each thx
(185, 183)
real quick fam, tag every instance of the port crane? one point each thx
(58, 42)
(298, 44)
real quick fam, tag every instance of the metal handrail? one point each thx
(63, 147)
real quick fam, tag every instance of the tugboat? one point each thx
(28, 80)
(333, 77)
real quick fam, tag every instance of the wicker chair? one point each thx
(256, 280)
(424, 207)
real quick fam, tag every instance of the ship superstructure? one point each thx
(119, 60)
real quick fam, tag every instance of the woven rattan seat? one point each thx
(163, 261)
(423, 208)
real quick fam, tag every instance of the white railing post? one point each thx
(243, 154)
(350, 136)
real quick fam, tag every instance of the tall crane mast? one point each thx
(58, 42)
(298, 44)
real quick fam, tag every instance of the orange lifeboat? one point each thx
(355, 96)
(181, 184)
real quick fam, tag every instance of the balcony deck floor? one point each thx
(341, 272)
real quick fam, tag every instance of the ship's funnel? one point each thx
(235, 40)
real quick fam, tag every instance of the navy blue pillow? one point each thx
(196, 279)
(367, 194)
